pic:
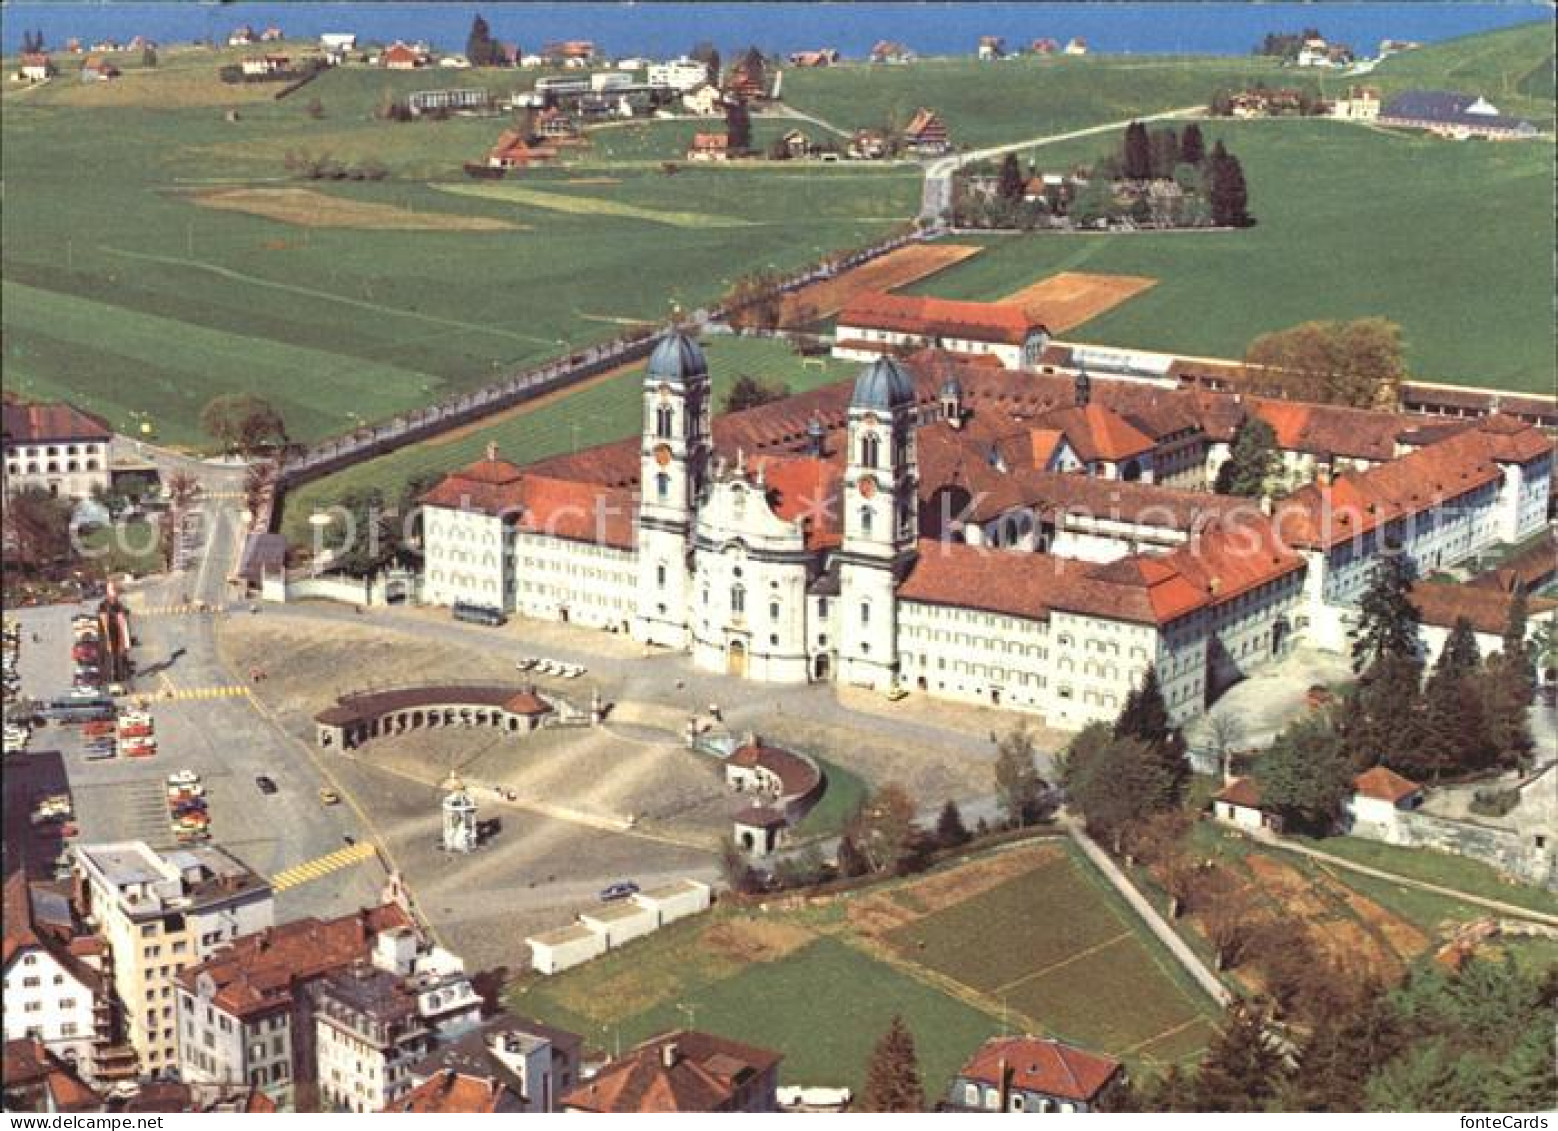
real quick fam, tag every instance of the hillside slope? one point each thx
(1512, 67)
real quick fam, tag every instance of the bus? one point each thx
(82, 710)
(478, 614)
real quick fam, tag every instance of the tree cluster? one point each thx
(747, 392)
(893, 1082)
(32, 42)
(480, 48)
(243, 423)
(1358, 363)
(1253, 460)
(1285, 44)
(1476, 1039)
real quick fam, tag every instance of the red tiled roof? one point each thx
(1330, 430)
(42, 423)
(257, 973)
(797, 775)
(705, 1074)
(1005, 322)
(925, 123)
(1384, 785)
(564, 508)
(710, 142)
(1041, 1065)
(31, 1068)
(804, 488)
(1484, 607)
(1243, 792)
(457, 1093)
(1096, 432)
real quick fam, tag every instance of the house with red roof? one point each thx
(877, 323)
(682, 1071)
(1379, 796)
(709, 147)
(926, 133)
(57, 447)
(36, 67)
(1238, 804)
(38, 1079)
(1034, 1074)
(403, 57)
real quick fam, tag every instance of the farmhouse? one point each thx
(991, 47)
(1044, 46)
(1377, 796)
(512, 151)
(876, 323)
(889, 51)
(95, 69)
(705, 100)
(1453, 115)
(824, 57)
(1359, 104)
(926, 133)
(555, 125)
(868, 145)
(1076, 46)
(1033, 1074)
(402, 57)
(1239, 804)
(264, 66)
(36, 67)
(709, 147)
(748, 79)
(683, 1071)
(56, 447)
(975, 532)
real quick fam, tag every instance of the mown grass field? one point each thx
(1451, 240)
(821, 980)
(602, 410)
(1457, 872)
(125, 294)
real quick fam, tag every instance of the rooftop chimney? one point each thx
(492, 450)
(669, 1054)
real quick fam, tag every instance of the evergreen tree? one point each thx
(1136, 155)
(1344, 1049)
(1116, 783)
(479, 46)
(738, 126)
(1164, 152)
(1192, 147)
(851, 862)
(707, 54)
(1382, 719)
(893, 1076)
(1388, 622)
(1306, 774)
(1010, 184)
(1230, 195)
(1145, 716)
(950, 829)
(1455, 732)
(1252, 460)
(1516, 648)
(1241, 1071)
(1460, 656)
(1505, 692)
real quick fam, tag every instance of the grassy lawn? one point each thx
(1457, 872)
(1330, 243)
(606, 410)
(1513, 68)
(820, 980)
(840, 801)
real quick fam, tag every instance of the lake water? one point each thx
(661, 30)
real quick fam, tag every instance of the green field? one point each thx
(820, 983)
(1351, 222)
(985, 104)
(1456, 872)
(605, 410)
(126, 295)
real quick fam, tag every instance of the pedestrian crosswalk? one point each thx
(322, 866)
(187, 609)
(231, 691)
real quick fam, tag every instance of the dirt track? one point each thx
(895, 269)
(1071, 298)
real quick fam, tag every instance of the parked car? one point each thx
(329, 797)
(265, 784)
(620, 890)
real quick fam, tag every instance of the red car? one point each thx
(84, 652)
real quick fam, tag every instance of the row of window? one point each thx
(52, 467)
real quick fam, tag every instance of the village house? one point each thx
(889, 51)
(56, 447)
(1033, 1074)
(709, 147)
(681, 74)
(272, 34)
(36, 67)
(1316, 52)
(682, 1071)
(95, 69)
(991, 47)
(513, 151)
(796, 145)
(1378, 795)
(403, 57)
(555, 126)
(1238, 804)
(706, 100)
(867, 145)
(245, 1014)
(507, 1064)
(1076, 46)
(36, 1079)
(824, 57)
(1453, 115)
(241, 37)
(571, 53)
(926, 133)
(748, 79)
(1044, 46)
(264, 66)
(56, 991)
(1359, 104)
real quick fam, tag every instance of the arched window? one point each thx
(866, 518)
(662, 486)
(738, 599)
(870, 451)
(665, 417)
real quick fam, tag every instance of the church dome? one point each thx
(677, 358)
(882, 385)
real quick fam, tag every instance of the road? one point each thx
(205, 721)
(937, 198)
